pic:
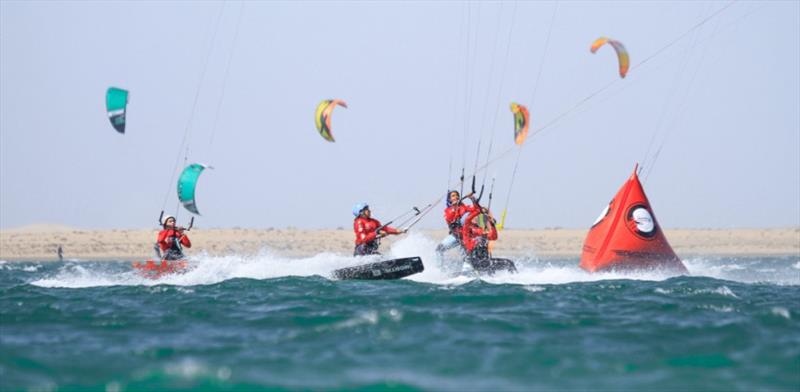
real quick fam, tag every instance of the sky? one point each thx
(714, 88)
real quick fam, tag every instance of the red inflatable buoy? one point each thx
(627, 236)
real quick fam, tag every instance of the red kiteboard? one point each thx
(627, 236)
(154, 269)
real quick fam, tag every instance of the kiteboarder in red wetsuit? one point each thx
(455, 210)
(369, 231)
(172, 240)
(476, 239)
(476, 243)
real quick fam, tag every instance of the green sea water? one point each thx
(262, 322)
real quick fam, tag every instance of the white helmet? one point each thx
(165, 218)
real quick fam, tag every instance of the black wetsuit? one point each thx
(482, 261)
(175, 252)
(368, 248)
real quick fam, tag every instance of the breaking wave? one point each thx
(207, 269)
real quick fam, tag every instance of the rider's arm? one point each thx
(163, 239)
(185, 241)
(473, 212)
(451, 214)
(391, 230)
(468, 209)
(468, 235)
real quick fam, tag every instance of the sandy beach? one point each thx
(40, 242)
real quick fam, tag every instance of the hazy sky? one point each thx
(723, 102)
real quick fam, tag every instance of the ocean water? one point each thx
(250, 322)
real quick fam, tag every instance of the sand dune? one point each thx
(39, 242)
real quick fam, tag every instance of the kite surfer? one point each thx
(369, 231)
(476, 243)
(169, 250)
(172, 240)
(453, 213)
(475, 238)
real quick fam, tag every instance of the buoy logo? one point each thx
(641, 221)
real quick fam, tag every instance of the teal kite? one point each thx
(116, 106)
(187, 184)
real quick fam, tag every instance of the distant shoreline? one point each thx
(40, 242)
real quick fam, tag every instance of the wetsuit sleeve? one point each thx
(391, 230)
(163, 239)
(472, 214)
(468, 232)
(362, 234)
(468, 209)
(472, 231)
(468, 237)
(450, 215)
(185, 241)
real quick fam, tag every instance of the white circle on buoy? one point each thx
(602, 215)
(643, 219)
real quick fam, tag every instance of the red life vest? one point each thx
(166, 239)
(366, 229)
(472, 234)
(453, 215)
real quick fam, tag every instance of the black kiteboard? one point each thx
(491, 265)
(387, 269)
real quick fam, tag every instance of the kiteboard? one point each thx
(153, 269)
(382, 270)
(492, 265)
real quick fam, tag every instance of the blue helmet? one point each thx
(359, 207)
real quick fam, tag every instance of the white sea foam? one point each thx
(267, 264)
(721, 309)
(187, 368)
(531, 270)
(746, 270)
(368, 317)
(19, 267)
(781, 312)
(722, 290)
(534, 289)
(78, 276)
